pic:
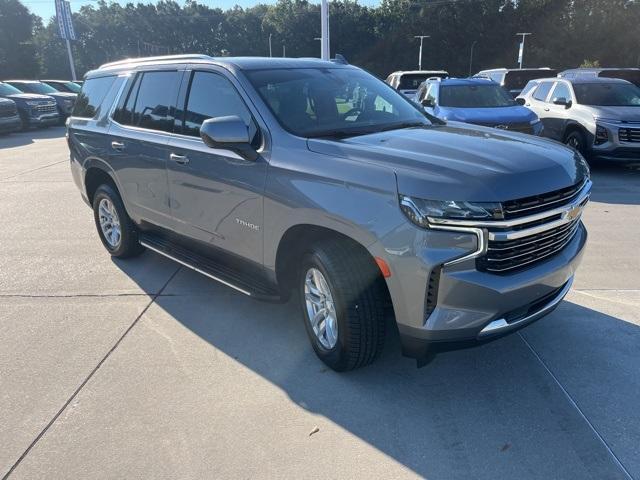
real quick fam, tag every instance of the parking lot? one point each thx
(144, 369)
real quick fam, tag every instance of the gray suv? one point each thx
(273, 177)
(599, 117)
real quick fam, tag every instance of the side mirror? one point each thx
(427, 102)
(562, 101)
(520, 101)
(229, 133)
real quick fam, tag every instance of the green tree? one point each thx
(17, 51)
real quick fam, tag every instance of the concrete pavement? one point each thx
(142, 369)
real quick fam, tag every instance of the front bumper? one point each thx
(618, 147)
(44, 119)
(10, 124)
(443, 297)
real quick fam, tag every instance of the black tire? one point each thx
(357, 289)
(128, 245)
(576, 140)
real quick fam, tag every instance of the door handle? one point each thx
(546, 109)
(117, 146)
(181, 159)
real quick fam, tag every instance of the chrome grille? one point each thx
(511, 255)
(629, 135)
(7, 109)
(542, 202)
(45, 108)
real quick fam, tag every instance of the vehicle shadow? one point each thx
(618, 184)
(487, 412)
(19, 139)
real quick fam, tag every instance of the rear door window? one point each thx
(150, 102)
(89, 101)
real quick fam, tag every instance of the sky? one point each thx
(46, 8)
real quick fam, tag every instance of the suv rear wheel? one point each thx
(342, 304)
(118, 233)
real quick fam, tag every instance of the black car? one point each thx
(64, 100)
(34, 109)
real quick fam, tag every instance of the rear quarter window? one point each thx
(89, 101)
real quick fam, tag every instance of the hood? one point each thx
(625, 114)
(488, 116)
(459, 162)
(28, 96)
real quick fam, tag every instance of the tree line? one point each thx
(565, 33)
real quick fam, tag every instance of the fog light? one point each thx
(602, 136)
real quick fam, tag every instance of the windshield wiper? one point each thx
(400, 126)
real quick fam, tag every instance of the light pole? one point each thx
(320, 39)
(270, 52)
(324, 30)
(471, 56)
(421, 37)
(284, 51)
(521, 51)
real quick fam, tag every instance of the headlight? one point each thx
(423, 212)
(534, 121)
(602, 136)
(68, 103)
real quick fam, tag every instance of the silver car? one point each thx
(599, 117)
(311, 179)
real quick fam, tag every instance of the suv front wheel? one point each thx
(118, 233)
(343, 305)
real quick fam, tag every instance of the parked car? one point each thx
(514, 79)
(407, 82)
(63, 85)
(476, 100)
(630, 74)
(245, 170)
(64, 100)
(9, 118)
(599, 117)
(33, 109)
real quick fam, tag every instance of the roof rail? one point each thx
(188, 56)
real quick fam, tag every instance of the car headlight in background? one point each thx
(424, 212)
(602, 136)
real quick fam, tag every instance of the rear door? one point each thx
(538, 103)
(216, 195)
(139, 136)
(558, 114)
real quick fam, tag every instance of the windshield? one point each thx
(607, 94)
(333, 101)
(474, 96)
(411, 81)
(6, 89)
(72, 87)
(35, 87)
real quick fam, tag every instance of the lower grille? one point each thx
(40, 109)
(631, 135)
(512, 255)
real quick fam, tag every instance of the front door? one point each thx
(216, 196)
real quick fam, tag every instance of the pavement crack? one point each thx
(33, 170)
(575, 405)
(88, 377)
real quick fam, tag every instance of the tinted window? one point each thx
(333, 101)
(475, 96)
(150, 102)
(607, 94)
(210, 96)
(517, 79)
(34, 87)
(124, 111)
(542, 91)
(6, 89)
(561, 91)
(411, 81)
(90, 98)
